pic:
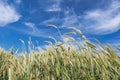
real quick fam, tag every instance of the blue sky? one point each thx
(21, 19)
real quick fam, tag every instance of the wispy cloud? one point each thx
(52, 21)
(99, 21)
(31, 25)
(8, 14)
(35, 31)
(54, 6)
(70, 19)
(104, 21)
(32, 29)
(18, 1)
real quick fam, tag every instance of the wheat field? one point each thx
(58, 62)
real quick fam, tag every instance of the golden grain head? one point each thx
(51, 25)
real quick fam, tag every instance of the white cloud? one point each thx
(104, 21)
(38, 31)
(52, 21)
(70, 19)
(8, 14)
(54, 6)
(35, 31)
(31, 25)
(99, 21)
(18, 1)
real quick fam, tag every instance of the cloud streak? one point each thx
(104, 21)
(100, 21)
(70, 19)
(32, 29)
(54, 7)
(35, 31)
(8, 14)
(18, 1)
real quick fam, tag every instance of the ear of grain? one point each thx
(48, 42)
(51, 25)
(53, 39)
(69, 33)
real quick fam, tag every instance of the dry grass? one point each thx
(60, 63)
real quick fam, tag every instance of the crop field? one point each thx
(62, 61)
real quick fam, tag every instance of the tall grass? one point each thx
(58, 62)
